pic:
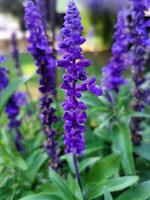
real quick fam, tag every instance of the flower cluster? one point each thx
(45, 62)
(74, 81)
(113, 72)
(3, 76)
(12, 109)
(140, 25)
(15, 52)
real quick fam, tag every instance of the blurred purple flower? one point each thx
(140, 47)
(74, 64)
(3, 75)
(113, 72)
(109, 5)
(18, 100)
(12, 110)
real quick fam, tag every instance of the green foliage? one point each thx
(112, 168)
(139, 192)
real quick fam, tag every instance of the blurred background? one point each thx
(98, 18)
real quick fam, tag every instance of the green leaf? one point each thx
(138, 192)
(10, 153)
(113, 185)
(122, 144)
(19, 162)
(88, 162)
(77, 190)
(8, 92)
(91, 150)
(34, 163)
(94, 101)
(105, 168)
(107, 195)
(68, 158)
(41, 196)
(139, 114)
(62, 185)
(143, 150)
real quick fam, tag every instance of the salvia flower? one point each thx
(3, 75)
(12, 110)
(15, 52)
(75, 81)
(112, 73)
(140, 53)
(46, 67)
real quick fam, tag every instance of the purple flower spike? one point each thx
(3, 75)
(75, 81)
(113, 72)
(39, 47)
(140, 50)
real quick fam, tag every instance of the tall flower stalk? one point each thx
(75, 82)
(46, 68)
(140, 47)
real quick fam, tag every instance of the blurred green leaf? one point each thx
(94, 102)
(113, 185)
(105, 168)
(107, 195)
(143, 150)
(69, 159)
(62, 185)
(122, 144)
(41, 196)
(76, 189)
(34, 163)
(88, 162)
(91, 150)
(138, 192)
